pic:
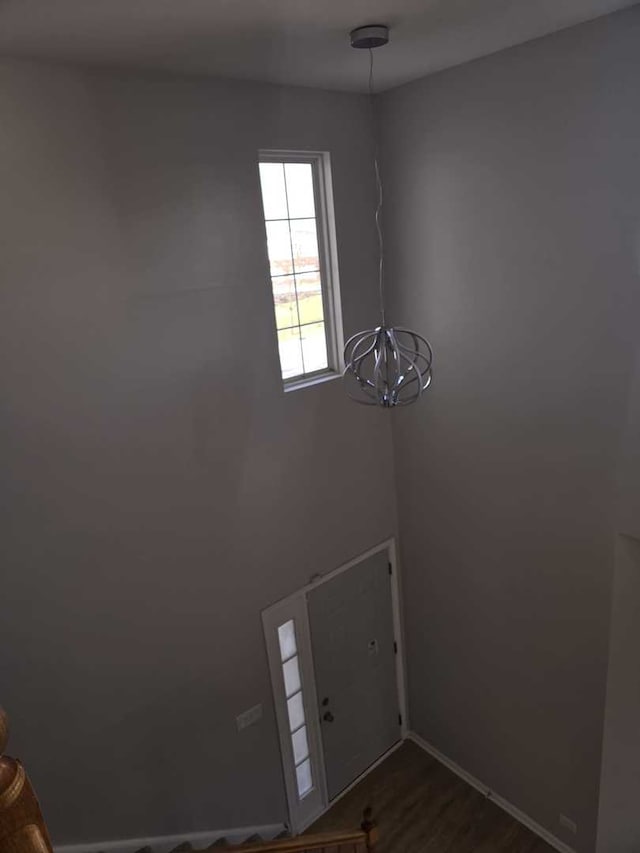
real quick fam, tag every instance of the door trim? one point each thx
(304, 812)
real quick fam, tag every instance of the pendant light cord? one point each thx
(379, 189)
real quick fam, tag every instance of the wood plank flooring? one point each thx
(422, 807)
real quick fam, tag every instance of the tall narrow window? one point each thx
(295, 707)
(288, 640)
(296, 196)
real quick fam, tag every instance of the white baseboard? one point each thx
(508, 807)
(166, 843)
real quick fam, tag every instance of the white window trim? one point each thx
(328, 251)
(305, 812)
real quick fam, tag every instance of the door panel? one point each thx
(351, 622)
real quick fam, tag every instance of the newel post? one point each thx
(22, 828)
(370, 827)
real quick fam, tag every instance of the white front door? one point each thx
(354, 652)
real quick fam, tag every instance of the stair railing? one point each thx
(359, 841)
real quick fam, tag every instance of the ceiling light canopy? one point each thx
(373, 35)
(386, 366)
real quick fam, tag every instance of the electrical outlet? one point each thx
(569, 824)
(248, 718)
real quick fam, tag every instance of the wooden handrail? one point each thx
(321, 841)
(22, 828)
(358, 841)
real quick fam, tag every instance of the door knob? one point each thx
(328, 717)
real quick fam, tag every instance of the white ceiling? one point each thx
(301, 42)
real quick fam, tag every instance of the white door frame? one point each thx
(302, 812)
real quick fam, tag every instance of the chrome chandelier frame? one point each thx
(387, 366)
(390, 366)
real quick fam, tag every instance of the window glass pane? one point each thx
(310, 298)
(274, 199)
(304, 242)
(290, 348)
(289, 202)
(314, 347)
(285, 302)
(300, 189)
(296, 712)
(300, 745)
(287, 640)
(305, 783)
(279, 247)
(291, 673)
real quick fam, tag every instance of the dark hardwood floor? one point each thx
(422, 807)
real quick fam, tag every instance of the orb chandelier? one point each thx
(386, 366)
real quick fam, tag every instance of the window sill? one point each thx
(308, 381)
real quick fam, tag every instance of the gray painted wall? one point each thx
(513, 192)
(159, 489)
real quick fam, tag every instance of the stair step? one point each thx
(219, 843)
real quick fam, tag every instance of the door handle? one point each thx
(328, 717)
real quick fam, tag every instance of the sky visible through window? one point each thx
(292, 242)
